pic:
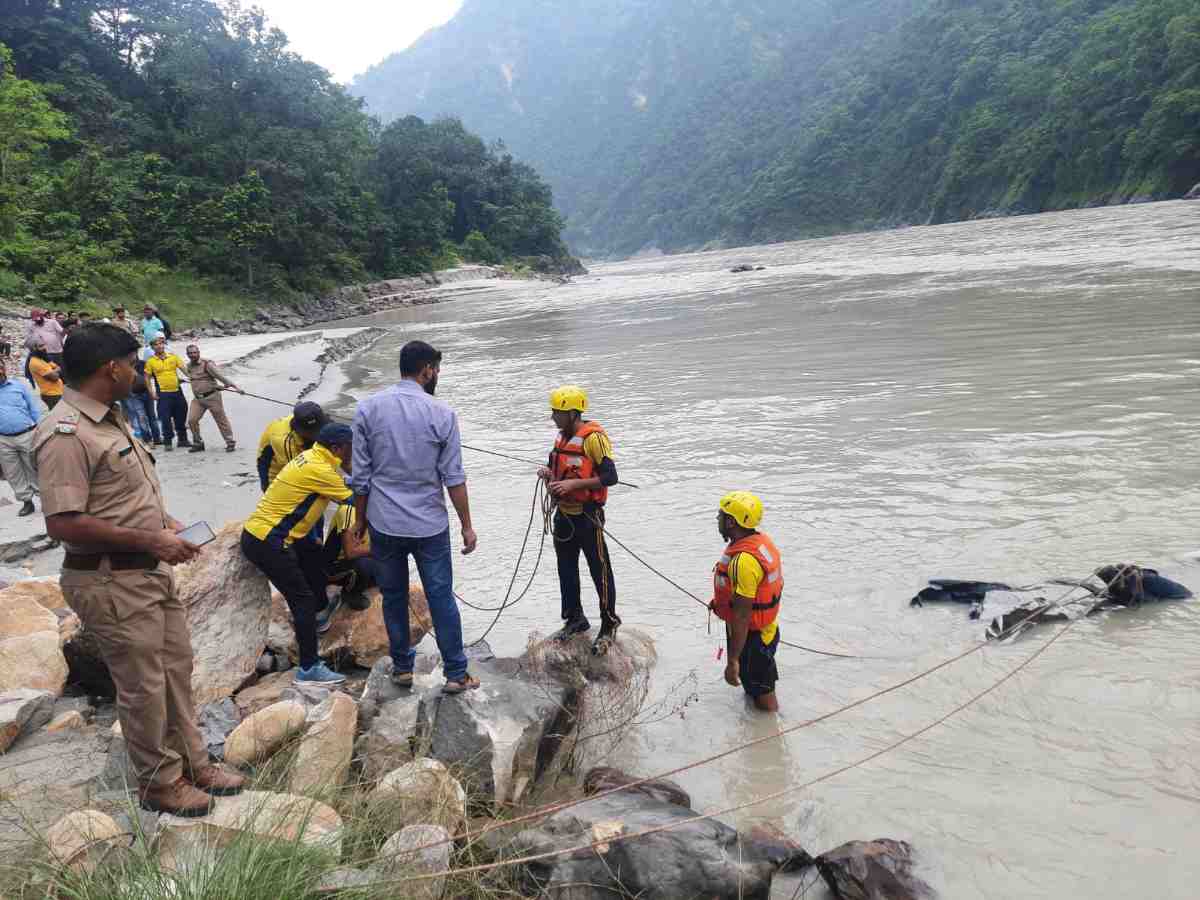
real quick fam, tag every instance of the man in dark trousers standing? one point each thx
(580, 473)
(102, 499)
(747, 590)
(407, 457)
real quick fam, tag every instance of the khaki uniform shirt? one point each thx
(88, 461)
(129, 325)
(205, 377)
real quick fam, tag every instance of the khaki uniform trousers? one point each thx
(214, 404)
(16, 461)
(141, 627)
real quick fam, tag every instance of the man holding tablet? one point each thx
(101, 498)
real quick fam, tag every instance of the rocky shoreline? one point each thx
(357, 300)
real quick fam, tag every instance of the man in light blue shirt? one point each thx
(151, 324)
(19, 415)
(406, 452)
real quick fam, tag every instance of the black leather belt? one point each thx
(119, 562)
(19, 433)
(209, 394)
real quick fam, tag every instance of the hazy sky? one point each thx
(349, 36)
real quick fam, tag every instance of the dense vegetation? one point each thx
(675, 124)
(146, 141)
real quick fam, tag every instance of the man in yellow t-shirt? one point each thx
(747, 590)
(46, 375)
(286, 437)
(580, 472)
(274, 538)
(162, 380)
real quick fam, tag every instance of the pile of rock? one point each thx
(429, 769)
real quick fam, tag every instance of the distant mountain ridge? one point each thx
(677, 124)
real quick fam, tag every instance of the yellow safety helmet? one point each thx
(568, 398)
(746, 509)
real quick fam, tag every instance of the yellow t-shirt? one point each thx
(277, 447)
(297, 498)
(164, 370)
(343, 521)
(746, 574)
(39, 368)
(596, 446)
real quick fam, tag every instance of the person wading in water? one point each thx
(747, 588)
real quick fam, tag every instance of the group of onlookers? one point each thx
(156, 409)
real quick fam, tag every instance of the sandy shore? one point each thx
(215, 486)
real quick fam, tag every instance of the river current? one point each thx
(1004, 400)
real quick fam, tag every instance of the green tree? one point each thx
(244, 209)
(28, 121)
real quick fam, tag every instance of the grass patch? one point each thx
(186, 299)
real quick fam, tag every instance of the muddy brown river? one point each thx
(1003, 400)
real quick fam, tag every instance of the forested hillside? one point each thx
(147, 138)
(678, 123)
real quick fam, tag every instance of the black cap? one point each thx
(308, 415)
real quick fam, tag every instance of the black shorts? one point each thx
(756, 665)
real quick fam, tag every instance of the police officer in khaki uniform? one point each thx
(207, 384)
(102, 499)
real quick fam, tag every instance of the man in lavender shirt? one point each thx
(406, 450)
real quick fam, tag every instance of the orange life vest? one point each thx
(765, 608)
(571, 462)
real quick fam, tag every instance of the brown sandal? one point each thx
(468, 683)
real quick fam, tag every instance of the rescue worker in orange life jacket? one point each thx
(747, 587)
(580, 473)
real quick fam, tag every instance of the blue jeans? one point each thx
(135, 414)
(437, 577)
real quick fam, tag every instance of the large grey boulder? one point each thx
(391, 739)
(45, 776)
(499, 738)
(228, 603)
(873, 870)
(690, 858)
(610, 690)
(379, 689)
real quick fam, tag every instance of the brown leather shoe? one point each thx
(218, 781)
(179, 798)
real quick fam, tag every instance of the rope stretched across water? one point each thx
(783, 732)
(506, 604)
(537, 857)
(344, 420)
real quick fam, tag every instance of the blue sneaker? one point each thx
(325, 616)
(320, 674)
